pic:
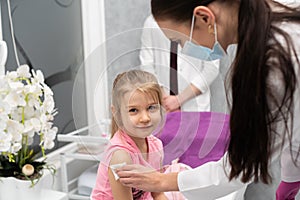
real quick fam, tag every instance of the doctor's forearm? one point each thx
(168, 182)
(188, 93)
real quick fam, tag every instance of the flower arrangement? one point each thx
(26, 115)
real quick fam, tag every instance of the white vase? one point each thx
(15, 189)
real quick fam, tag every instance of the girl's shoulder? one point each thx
(120, 156)
(117, 153)
(153, 138)
(154, 141)
(119, 146)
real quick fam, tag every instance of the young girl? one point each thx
(136, 114)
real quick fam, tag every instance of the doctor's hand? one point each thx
(138, 176)
(147, 179)
(171, 103)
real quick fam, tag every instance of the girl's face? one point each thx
(140, 114)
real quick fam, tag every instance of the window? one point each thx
(56, 37)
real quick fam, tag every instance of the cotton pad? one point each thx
(116, 166)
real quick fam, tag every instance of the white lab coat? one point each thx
(209, 181)
(155, 58)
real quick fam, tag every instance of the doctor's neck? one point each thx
(227, 22)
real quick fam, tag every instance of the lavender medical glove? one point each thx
(287, 191)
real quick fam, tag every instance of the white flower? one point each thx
(48, 144)
(51, 134)
(16, 114)
(16, 86)
(3, 119)
(14, 99)
(31, 126)
(3, 84)
(48, 104)
(14, 127)
(23, 71)
(38, 77)
(47, 90)
(5, 140)
(12, 75)
(27, 110)
(16, 147)
(4, 108)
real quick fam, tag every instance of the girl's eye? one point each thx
(153, 107)
(133, 110)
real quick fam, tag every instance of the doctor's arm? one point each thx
(290, 171)
(209, 180)
(198, 85)
(289, 186)
(147, 179)
(172, 103)
(290, 161)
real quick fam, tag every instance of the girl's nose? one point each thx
(145, 117)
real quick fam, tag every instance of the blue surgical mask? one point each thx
(202, 52)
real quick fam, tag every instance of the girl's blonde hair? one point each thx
(129, 81)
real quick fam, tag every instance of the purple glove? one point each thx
(287, 191)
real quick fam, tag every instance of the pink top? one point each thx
(121, 141)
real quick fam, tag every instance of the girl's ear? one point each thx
(116, 116)
(113, 110)
(204, 16)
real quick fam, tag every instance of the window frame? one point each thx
(93, 25)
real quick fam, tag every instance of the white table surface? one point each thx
(53, 195)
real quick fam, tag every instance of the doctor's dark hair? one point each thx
(130, 81)
(259, 106)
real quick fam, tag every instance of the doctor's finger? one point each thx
(125, 174)
(137, 183)
(128, 167)
(128, 180)
(134, 169)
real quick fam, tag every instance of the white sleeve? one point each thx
(146, 55)
(153, 49)
(208, 181)
(207, 75)
(290, 158)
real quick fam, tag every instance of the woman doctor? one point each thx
(264, 95)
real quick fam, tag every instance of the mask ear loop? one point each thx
(215, 30)
(192, 27)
